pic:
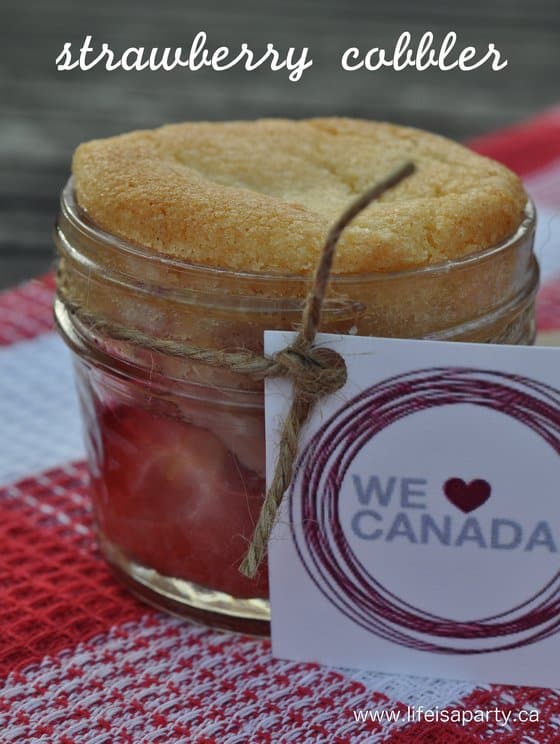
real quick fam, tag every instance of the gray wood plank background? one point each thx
(45, 113)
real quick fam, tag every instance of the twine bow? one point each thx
(315, 372)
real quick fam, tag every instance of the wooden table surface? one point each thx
(45, 113)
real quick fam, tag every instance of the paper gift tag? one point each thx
(421, 532)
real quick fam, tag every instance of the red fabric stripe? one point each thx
(55, 590)
(548, 307)
(524, 148)
(26, 312)
(436, 733)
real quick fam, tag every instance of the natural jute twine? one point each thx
(314, 372)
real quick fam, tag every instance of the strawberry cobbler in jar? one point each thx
(204, 235)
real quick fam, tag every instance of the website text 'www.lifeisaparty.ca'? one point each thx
(463, 716)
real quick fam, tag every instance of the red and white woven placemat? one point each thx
(82, 661)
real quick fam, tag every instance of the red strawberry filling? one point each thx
(173, 498)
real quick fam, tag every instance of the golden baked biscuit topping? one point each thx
(260, 196)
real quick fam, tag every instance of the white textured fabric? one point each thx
(544, 188)
(547, 241)
(160, 679)
(429, 692)
(38, 408)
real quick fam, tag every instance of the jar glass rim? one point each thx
(79, 219)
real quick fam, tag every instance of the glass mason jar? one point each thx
(176, 448)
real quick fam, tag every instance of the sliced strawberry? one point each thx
(175, 499)
(241, 433)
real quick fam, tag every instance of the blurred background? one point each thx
(45, 113)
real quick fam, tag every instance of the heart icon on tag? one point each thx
(467, 496)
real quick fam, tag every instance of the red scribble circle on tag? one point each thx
(326, 552)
